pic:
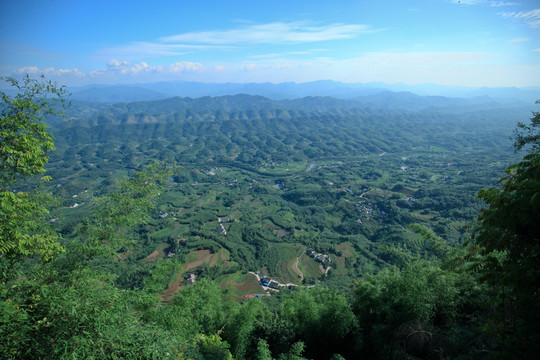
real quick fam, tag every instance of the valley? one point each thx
(345, 182)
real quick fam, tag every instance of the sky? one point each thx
(472, 43)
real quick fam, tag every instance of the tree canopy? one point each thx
(24, 146)
(509, 240)
(96, 294)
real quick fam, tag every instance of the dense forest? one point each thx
(239, 227)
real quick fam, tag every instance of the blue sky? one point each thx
(446, 42)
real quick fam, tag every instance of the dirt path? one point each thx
(297, 270)
(173, 288)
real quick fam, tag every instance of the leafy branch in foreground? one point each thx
(528, 134)
(509, 244)
(24, 137)
(24, 146)
(107, 230)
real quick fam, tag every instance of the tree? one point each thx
(117, 214)
(508, 240)
(528, 134)
(69, 308)
(422, 310)
(320, 317)
(25, 140)
(62, 307)
(24, 146)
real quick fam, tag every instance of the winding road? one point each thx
(297, 270)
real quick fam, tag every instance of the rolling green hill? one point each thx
(307, 229)
(321, 178)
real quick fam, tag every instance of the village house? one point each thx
(190, 279)
(273, 284)
(221, 229)
(266, 281)
(319, 257)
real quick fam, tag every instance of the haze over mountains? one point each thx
(291, 90)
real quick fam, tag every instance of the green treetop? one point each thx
(24, 145)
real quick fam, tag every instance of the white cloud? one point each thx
(137, 68)
(446, 68)
(502, 3)
(469, 2)
(27, 70)
(63, 72)
(287, 54)
(517, 40)
(185, 66)
(116, 64)
(231, 39)
(154, 49)
(116, 71)
(532, 18)
(486, 2)
(273, 33)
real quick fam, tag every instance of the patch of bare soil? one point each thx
(173, 288)
(201, 257)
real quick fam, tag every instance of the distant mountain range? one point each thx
(254, 106)
(289, 91)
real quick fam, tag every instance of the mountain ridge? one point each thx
(289, 90)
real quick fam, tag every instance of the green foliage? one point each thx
(108, 230)
(322, 318)
(203, 306)
(24, 139)
(263, 350)
(414, 311)
(357, 185)
(240, 326)
(24, 146)
(528, 134)
(509, 244)
(211, 347)
(23, 231)
(160, 277)
(79, 314)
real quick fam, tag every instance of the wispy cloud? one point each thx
(185, 66)
(117, 68)
(27, 70)
(62, 72)
(287, 54)
(33, 70)
(517, 40)
(449, 68)
(116, 64)
(273, 33)
(502, 3)
(532, 17)
(231, 39)
(155, 49)
(486, 3)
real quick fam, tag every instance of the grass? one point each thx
(311, 268)
(242, 284)
(163, 233)
(286, 254)
(157, 254)
(415, 240)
